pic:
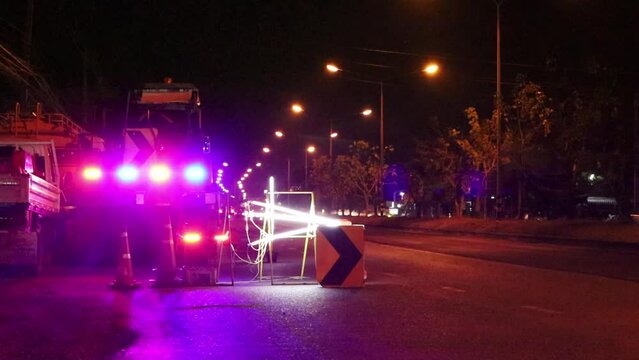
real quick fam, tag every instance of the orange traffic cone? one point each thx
(124, 277)
(167, 269)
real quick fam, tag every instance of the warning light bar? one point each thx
(192, 237)
(159, 173)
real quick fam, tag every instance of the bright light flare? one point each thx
(297, 108)
(92, 173)
(266, 150)
(333, 135)
(279, 134)
(311, 149)
(127, 173)
(221, 237)
(225, 164)
(431, 69)
(192, 237)
(332, 68)
(159, 173)
(367, 112)
(259, 164)
(195, 174)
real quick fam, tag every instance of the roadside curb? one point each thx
(607, 244)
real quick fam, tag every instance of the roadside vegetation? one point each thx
(560, 146)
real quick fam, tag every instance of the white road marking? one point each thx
(541, 310)
(390, 274)
(454, 289)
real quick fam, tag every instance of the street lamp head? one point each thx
(332, 68)
(367, 112)
(431, 69)
(266, 150)
(259, 164)
(297, 108)
(334, 134)
(279, 134)
(310, 149)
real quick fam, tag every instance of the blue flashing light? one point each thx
(195, 174)
(127, 173)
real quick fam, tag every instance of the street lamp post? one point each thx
(498, 117)
(309, 150)
(381, 140)
(331, 135)
(429, 69)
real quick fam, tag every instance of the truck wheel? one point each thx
(36, 226)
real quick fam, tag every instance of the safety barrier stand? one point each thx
(272, 212)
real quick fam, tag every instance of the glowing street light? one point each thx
(367, 112)
(431, 69)
(266, 150)
(332, 135)
(259, 164)
(332, 68)
(279, 134)
(297, 108)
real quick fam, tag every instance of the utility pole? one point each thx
(498, 117)
(381, 141)
(27, 41)
(635, 196)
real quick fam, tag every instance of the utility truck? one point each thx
(41, 155)
(29, 200)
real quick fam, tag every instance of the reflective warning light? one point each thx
(92, 173)
(221, 237)
(192, 237)
(159, 173)
(195, 174)
(127, 173)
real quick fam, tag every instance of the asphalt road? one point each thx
(418, 303)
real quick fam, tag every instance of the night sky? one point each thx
(252, 59)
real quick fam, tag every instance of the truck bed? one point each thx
(40, 195)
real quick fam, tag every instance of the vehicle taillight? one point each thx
(92, 173)
(195, 174)
(192, 237)
(221, 237)
(159, 173)
(127, 173)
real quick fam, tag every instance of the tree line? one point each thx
(554, 152)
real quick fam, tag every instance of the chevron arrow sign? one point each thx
(139, 145)
(340, 256)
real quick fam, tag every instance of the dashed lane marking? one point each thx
(391, 274)
(540, 309)
(453, 289)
